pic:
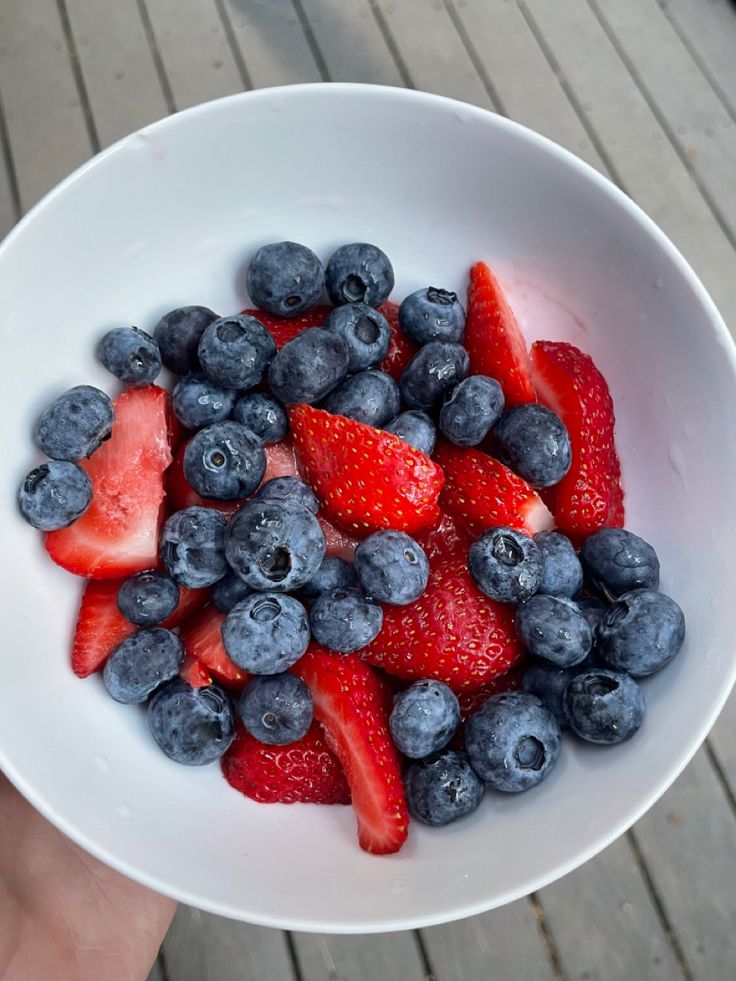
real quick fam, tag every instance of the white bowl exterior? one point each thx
(169, 216)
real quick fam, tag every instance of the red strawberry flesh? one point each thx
(201, 636)
(284, 329)
(401, 349)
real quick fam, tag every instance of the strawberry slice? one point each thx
(589, 496)
(471, 701)
(194, 672)
(365, 478)
(353, 706)
(401, 349)
(449, 536)
(452, 633)
(118, 534)
(284, 329)
(495, 344)
(303, 772)
(481, 492)
(201, 636)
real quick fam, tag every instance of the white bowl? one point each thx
(168, 216)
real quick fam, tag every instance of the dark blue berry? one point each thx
(563, 574)
(142, 662)
(371, 397)
(224, 461)
(148, 598)
(275, 545)
(289, 489)
(512, 741)
(593, 609)
(641, 632)
(333, 573)
(552, 627)
(548, 682)
(359, 273)
(433, 371)
(308, 367)
(263, 415)
(432, 314)
(266, 633)
(474, 405)
(424, 718)
(193, 726)
(415, 428)
(235, 352)
(198, 402)
(228, 591)
(391, 567)
(533, 441)
(604, 706)
(193, 547)
(277, 710)
(73, 426)
(54, 494)
(178, 333)
(365, 331)
(285, 278)
(131, 355)
(506, 565)
(616, 561)
(345, 620)
(442, 788)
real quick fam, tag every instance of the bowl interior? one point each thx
(169, 216)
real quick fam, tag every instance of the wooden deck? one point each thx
(644, 90)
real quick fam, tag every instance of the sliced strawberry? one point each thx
(303, 772)
(495, 344)
(202, 639)
(285, 329)
(481, 493)
(401, 349)
(194, 672)
(352, 705)
(365, 478)
(449, 536)
(589, 496)
(182, 495)
(118, 534)
(452, 632)
(471, 701)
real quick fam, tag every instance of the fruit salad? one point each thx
(360, 551)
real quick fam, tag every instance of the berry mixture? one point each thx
(359, 552)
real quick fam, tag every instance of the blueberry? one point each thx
(285, 278)
(512, 741)
(365, 331)
(359, 273)
(193, 726)
(424, 718)
(266, 633)
(289, 488)
(263, 415)
(432, 314)
(593, 609)
(131, 355)
(442, 788)
(563, 574)
(228, 591)
(345, 620)
(274, 545)
(604, 706)
(416, 429)
(371, 397)
(147, 598)
(224, 461)
(73, 426)
(193, 546)
(616, 561)
(548, 682)
(142, 662)
(178, 333)
(391, 567)
(198, 402)
(235, 352)
(533, 442)
(54, 494)
(333, 573)
(641, 632)
(433, 371)
(506, 565)
(277, 710)
(473, 406)
(308, 367)
(552, 627)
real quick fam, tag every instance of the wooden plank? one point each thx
(195, 50)
(723, 742)
(709, 29)
(504, 943)
(432, 51)
(272, 42)
(359, 958)
(43, 114)
(201, 947)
